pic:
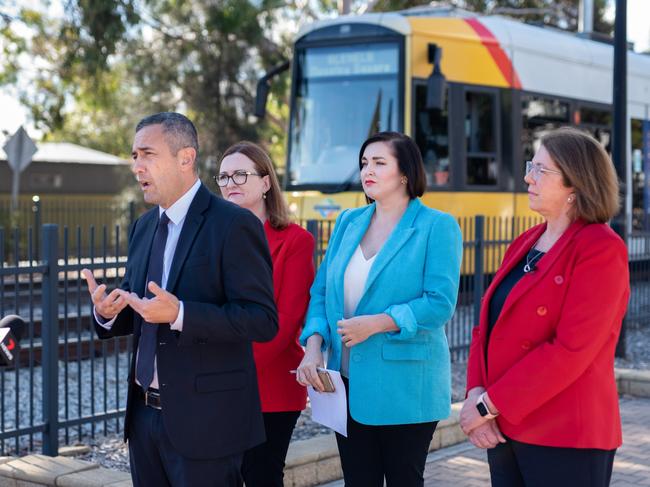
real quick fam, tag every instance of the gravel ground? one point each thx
(637, 342)
(90, 386)
(111, 452)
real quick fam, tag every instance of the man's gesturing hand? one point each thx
(107, 306)
(162, 308)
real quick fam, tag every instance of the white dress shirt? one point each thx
(176, 214)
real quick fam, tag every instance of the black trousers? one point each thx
(155, 462)
(516, 464)
(263, 465)
(396, 453)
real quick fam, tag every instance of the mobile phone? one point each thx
(325, 378)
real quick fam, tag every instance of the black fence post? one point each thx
(36, 208)
(312, 227)
(50, 337)
(479, 246)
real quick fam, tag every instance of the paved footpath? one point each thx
(465, 466)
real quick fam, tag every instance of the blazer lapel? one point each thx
(275, 238)
(191, 226)
(506, 267)
(396, 240)
(542, 267)
(354, 232)
(140, 272)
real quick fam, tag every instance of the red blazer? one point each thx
(292, 253)
(550, 357)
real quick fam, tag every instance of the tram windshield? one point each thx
(343, 94)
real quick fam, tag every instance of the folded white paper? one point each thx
(330, 408)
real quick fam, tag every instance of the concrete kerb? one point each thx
(309, 462)
(41, 470)
(633, 382)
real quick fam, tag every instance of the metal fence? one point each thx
(67, 385)
(70, 386)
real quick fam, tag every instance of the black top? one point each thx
(505, 286)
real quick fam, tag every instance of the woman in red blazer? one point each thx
(541, 393)
(247, 179)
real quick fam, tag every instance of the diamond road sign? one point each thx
(20, 149)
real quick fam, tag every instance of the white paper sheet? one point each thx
(330, 408)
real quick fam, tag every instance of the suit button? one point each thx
(525, 345)
(162, 343)
(163, 385)
(356, 357)
(558, 280)
(541, 310)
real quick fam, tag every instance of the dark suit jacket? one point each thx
(221, 270)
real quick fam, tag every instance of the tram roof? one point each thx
(544, 58)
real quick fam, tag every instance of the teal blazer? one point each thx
(404, 376)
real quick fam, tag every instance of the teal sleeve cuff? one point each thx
(316, 326)
(404, 318)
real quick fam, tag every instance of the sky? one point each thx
(13, 115)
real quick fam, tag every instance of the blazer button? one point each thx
(558, 280)
(541, 310)
(356, 357)
(525, 345)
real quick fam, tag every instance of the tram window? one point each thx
(342, 94)
(597, 122)
(432, 137)
(480, 126)
(539, 116)
(595, 116)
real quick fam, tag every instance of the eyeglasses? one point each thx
(536, 170)
(239, 178)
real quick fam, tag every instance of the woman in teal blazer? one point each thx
(379, 303)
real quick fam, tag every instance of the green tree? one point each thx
(106, 64)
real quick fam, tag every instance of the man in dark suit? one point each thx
(197, 291)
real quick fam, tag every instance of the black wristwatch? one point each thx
(483, 409)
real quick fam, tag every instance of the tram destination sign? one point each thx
(326, 62)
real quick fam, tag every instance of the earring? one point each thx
(404, 180)
(569, 199)
(264, 195)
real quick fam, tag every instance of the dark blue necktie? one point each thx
(147, 343)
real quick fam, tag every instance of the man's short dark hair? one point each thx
(179, 130)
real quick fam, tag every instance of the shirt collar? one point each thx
(177, 212)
